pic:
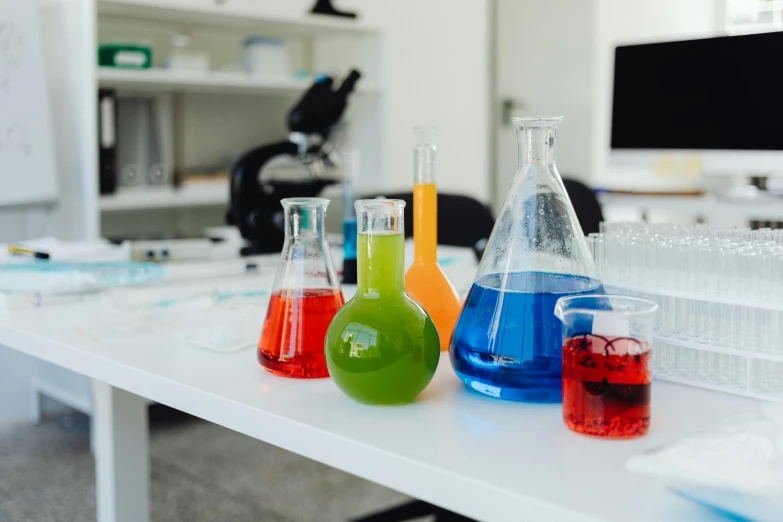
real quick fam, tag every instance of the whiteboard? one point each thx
(27, 172)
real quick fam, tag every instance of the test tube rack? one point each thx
(720, 319)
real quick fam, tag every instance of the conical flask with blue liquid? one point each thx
(507, 342)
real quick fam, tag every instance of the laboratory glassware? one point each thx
(305, 296)
(425, 281)
(381, 348)
(720, 321)
(350, 173)
(507, 341)
(607, 343)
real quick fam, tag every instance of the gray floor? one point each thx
(200, 472)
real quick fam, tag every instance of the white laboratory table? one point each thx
(484, 458)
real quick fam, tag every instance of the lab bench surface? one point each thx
(487, 459)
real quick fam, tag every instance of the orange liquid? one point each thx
(425, 281)
(292, 340)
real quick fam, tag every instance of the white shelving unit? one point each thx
(211, 113)
(163, 80)
(194, 195)
(709, 207)
(233, 14)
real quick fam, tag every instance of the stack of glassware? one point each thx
(720, 293)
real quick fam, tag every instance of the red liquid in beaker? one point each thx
(606, 386)
(292, 340)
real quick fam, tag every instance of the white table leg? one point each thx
(121, 454)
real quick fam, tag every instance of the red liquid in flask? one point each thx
(292, 340)
(606, 386)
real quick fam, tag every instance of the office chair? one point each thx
(462, 220)
(586, 205)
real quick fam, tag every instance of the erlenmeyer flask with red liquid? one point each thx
(305, 297)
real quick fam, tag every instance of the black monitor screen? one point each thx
(710, 94)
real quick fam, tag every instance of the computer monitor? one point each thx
(718, 101)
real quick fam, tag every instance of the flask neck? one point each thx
(425, 223)
(381, 264)
(380, 247)
(536, 144)
(424, 153)
(425, 197)
(304, 223)
(305, 261)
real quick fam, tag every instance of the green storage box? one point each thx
(126, 56)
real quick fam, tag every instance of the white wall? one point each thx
(71, 80)
(75, 216)
(544, 63)
(618, 22)
(436, 64)
(558, 58)
(58, 19)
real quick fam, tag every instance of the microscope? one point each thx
(255, 194)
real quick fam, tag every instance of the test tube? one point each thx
(723, 372)
(590, 240)
(350, 168)
(741, 376)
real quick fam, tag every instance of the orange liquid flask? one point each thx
(425, 281)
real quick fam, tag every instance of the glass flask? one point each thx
(381, 348)
(606, 364)
(507, 342)
(305, 297)
(425, 281)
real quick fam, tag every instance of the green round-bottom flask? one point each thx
(381, 347)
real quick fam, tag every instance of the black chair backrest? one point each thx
(462, 220)
(586, 205)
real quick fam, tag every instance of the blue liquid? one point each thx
(349, 239)
(508, 343)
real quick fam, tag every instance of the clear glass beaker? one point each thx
(305, 297)
(381, 348)
(507, 342)
(425, 281)
(607, 342)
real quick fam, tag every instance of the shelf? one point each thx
(713, 348)
(733, 390)
(761, 208)
(164, 80)
(731, 301)
(232, 15)
(199, 195)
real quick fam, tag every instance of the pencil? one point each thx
(22, 251)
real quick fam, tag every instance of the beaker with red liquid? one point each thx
(306, 295)
(606, 364)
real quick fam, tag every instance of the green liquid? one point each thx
(382, 347)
